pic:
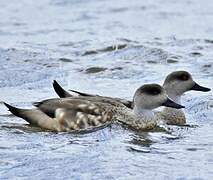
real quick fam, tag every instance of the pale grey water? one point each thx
(52, 39)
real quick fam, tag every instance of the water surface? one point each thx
(105, 47)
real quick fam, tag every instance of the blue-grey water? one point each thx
(105, 47)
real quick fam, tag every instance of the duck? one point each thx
(176, 84)
(78, 116)
(82, 113)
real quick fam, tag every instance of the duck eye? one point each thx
(154, 92)
(184, 77)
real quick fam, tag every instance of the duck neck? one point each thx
(174, 97)
(177, 99)
(145, 114)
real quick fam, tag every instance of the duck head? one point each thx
(179, 82)
(151, 96)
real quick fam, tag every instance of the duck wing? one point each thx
(62, 93)
(90, 106)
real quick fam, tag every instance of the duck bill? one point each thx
(197, 87)
(172, 104)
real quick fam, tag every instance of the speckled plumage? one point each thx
(116, 110)
(84, 117)
(171, 116)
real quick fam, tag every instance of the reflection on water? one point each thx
(108, 48)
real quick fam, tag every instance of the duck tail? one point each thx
(81, 93)
(37, 104)
(22, 113)
(15, 111)
(60, 91)
(32, 116)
